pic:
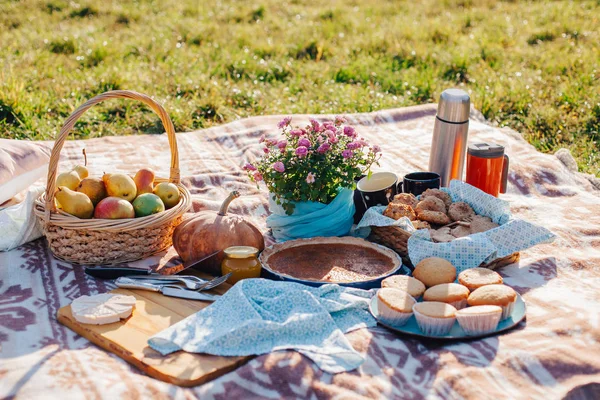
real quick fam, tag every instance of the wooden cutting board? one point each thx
(153, 313)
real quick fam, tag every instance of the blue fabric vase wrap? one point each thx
(312, 219)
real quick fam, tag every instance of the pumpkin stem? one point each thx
(233, 195)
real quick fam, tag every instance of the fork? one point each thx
(198, 286)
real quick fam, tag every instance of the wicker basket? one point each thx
(396, 238)
(109, 241)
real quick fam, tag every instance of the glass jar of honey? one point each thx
(242, 262)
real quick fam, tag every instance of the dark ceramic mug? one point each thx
(378, 189)
(418, 182)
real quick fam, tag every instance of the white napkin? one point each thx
(18, 223)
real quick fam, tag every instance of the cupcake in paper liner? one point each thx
(410, 285)
(394, 306)
(495, 295)
(434, 318)
(479, 320)
(451, 293)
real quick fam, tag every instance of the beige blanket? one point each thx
(554, 353)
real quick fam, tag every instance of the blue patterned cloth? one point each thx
(258, 316)
(313, 219)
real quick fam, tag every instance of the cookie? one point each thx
(431, 204)
(399, 210)
(460, 231)
(434, 271)
(460, 211)
(480, 223)
(433, 217)
(441, 235)
(406, 198)
(440, 194)
(418, 224)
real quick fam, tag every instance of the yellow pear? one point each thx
(75, 203)
(69, 179)
(168, 193)
(82, 171)
(120, 185)
(93, 188)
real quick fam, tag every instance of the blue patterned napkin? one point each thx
(258, 316)
(468, 252)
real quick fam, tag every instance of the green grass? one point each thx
(533, 66)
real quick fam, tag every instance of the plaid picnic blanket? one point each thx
(554, 354)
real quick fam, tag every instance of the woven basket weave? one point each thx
(109, 241)
(396, 238)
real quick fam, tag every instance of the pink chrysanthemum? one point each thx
(301, 151)
(347, 153)
(304, 142)
(324, 148)
(249, 167)
(278, 166)
(284, 122)
(310, 178)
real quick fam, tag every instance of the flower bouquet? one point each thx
(310, 173)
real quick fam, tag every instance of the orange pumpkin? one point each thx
(210, 231)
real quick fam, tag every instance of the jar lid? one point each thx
(486, 150)
(454, 106)
(241, 252)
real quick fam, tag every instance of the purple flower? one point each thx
(258, 176)
(281, 144)
(349, 131)
(376, 149)
(249, 167)
(301, 151)
(296, 132)
(304, 142)
(328, 125)
(353, 146)
(266, 150)
(347, 153)
(333, 139)
(315, 125)
(310, 178)
(271, 142)
(339, 120)
(278, 166)
(362, 142)
(324, 148)
(284, 122)
(262, 139)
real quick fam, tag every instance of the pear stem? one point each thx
(84, 158)
(233, 195)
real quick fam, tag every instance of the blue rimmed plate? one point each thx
(269, 273)
(456, 333)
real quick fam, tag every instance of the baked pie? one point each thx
(333, 259)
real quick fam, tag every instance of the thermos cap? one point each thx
(454, 106)
(486, 150)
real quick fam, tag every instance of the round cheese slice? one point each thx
(102, 308)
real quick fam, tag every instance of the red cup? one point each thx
(487, 167)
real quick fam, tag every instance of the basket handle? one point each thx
(70, 122)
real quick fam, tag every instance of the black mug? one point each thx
(418, 182)
(378, 189)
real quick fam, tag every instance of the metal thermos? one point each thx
(449, 144)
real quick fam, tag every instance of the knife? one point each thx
(117, 272)
(126, 283)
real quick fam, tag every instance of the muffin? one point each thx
(479, 320)
(434, 318)
(494, 295)
(433, 271)
(451, 293)
(477, 277)
(410, 285)
(394, 306)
